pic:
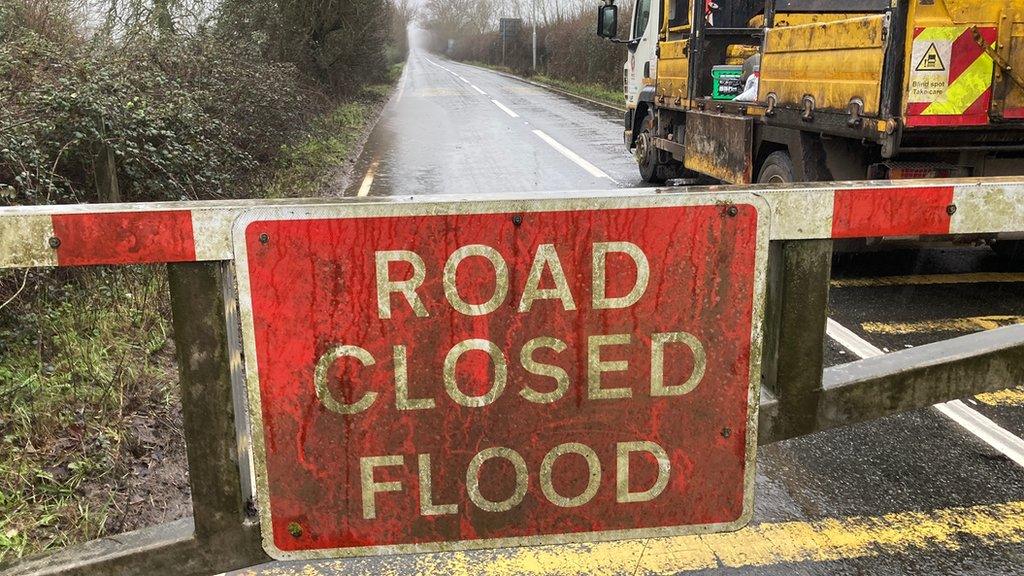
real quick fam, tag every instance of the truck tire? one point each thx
(647, 156)
(777, 169)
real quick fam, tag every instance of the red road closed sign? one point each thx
(438, 376)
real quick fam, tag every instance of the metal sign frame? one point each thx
(505, 207)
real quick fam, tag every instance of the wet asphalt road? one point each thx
(910, 494)
(457, 129)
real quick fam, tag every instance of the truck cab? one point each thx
(841, 90)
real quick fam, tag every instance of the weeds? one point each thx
(308, 166)
(86, 358)
(592, 91)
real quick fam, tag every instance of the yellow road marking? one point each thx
(760, 545)
(930, 279)
(1010, 397)
(364, 188)
(974, 324)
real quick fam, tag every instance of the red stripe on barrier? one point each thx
(125, 238)
(874, 212)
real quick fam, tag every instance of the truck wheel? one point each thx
(647, 156)
(777, 169)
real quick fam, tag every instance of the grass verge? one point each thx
(307, 166)
(88, 390)
(597, 92)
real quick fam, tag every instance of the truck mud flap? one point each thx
(720, 146)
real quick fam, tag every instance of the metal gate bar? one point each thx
(798, 396)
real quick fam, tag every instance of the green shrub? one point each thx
(188, 118)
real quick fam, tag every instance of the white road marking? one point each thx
(505, 109)
(974, 422)
(852, 342)
(466, 81)
(445, 68)
(364, 189)
(977, 424)
(594, 170)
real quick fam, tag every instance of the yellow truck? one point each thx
(840, 89)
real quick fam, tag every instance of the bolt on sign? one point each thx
(438, 376)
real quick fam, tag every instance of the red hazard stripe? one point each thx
(916, 108)
(965, 51)
(961, 120)
(980, 106)
(1013, 113)
(125, 238)
(875, 212)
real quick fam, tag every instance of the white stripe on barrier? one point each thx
(24, 241)
(803, 214)
(981, 209)
(212, 231)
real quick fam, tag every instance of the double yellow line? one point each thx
(759, 545)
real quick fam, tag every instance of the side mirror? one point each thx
(608, 21)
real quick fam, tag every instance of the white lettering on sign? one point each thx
(500, 372)
(386, 286)
(371, 487)
(556, 373)
(596, 366)
(320, 379)
(600, 281)
(593, 477)
(451, 287)
(545, 258)
(400, 279)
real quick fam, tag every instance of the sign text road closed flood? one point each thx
(544, 372)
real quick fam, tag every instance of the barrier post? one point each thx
(795, 321)
(201, 332)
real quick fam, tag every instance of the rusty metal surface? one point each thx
(833, 62)
(436, 419)
(720, 145)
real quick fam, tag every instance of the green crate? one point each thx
(726, 82)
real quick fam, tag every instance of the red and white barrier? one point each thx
(939, 208)
(164, 232)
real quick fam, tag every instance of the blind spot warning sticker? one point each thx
(931, 61)
(950, 77)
